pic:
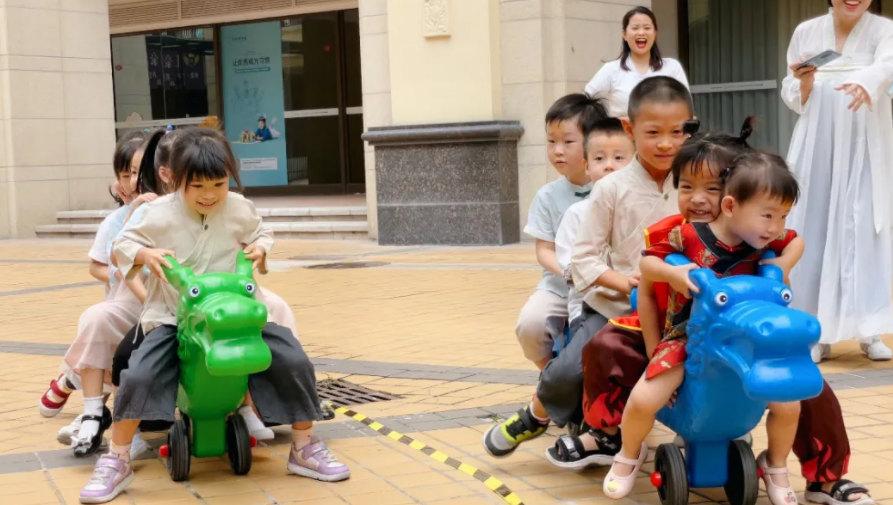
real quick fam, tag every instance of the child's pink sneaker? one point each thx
(316, 461)
(55, 398)
(110, 476)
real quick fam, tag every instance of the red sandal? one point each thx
(54, 399)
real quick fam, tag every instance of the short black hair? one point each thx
(661, 89)
(129, 144)
(607, 126)
(714, 149)
(147, 180)
(757, 173)
(579, 107)
(203, 154)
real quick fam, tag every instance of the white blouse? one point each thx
(614, 84)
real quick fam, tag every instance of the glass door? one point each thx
(323, 103)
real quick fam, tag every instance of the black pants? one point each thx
(285, 393)
(121, 361)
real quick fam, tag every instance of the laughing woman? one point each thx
(639, 59)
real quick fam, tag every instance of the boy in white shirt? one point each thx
(608, 149)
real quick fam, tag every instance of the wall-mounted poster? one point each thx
(253, 101)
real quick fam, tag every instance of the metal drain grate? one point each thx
(348, 264)
(343, 394)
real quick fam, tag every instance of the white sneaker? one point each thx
(256, 427)
(70, 431)
(876, 350)
(137, 447)
(820, 352)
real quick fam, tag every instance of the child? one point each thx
(204, 226)
(608, 149)
(262, 133)
(544, 316)
(158, 182)
(759, 192)
(616, 357)
(622, 205)
(54, 399)
(100, 329)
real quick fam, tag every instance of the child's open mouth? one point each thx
(207, 205)
(853, 4)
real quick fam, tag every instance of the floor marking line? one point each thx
(492, 483)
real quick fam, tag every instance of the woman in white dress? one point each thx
(639, 59)
(842, 154)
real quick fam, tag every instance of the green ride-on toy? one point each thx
(220, 344)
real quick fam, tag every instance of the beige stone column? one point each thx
(376, 89)
(551, 48)
(56, 111)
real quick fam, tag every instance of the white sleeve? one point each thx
(567, 232)
(790, 86)
(876, 78)
(99, 251)
(600, 85)
(677, 72)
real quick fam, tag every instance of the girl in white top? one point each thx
(640, 58)
(842, 153)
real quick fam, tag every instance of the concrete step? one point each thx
(326, 230)
(270, 214)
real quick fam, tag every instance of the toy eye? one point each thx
(194, 291)
(251, 288)
(721, 299)
(787, 296)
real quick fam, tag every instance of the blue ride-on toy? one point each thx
(745, 348)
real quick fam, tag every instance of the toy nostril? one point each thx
(766, 329)
(219, 315)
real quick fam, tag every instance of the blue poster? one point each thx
(253, 101)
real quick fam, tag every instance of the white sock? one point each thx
(120, 451)
(89, 429)
(541, 420)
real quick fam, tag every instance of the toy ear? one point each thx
(703, 278)
(244, 266)
(770, 271)
(178, 275)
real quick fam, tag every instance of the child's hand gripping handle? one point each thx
(177, 275)
(676, 260)
(770, 271)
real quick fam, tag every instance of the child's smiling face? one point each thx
(700, 193)
(657, 133)
(759, 220)
(205, 196)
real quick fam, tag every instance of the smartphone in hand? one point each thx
(820, 59)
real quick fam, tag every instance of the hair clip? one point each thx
(691, 126)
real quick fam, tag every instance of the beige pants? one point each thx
(542, 318)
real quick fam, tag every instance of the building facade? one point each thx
(296, 83)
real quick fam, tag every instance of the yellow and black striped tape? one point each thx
(490, 481)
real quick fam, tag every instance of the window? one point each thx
(164, 77)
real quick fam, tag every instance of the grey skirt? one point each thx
(283, 394)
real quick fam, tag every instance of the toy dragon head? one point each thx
(745, 323)
(219, 315)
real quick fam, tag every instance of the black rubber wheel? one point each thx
(238, 444)
(670, 464)
(744, 482)
(179, 456)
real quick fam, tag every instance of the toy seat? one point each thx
(745, 348)
(220, 345)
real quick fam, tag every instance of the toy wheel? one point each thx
(238, 444)
(744, 483)
(180, 457)
(670, 465)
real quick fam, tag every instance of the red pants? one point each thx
(615, 359)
